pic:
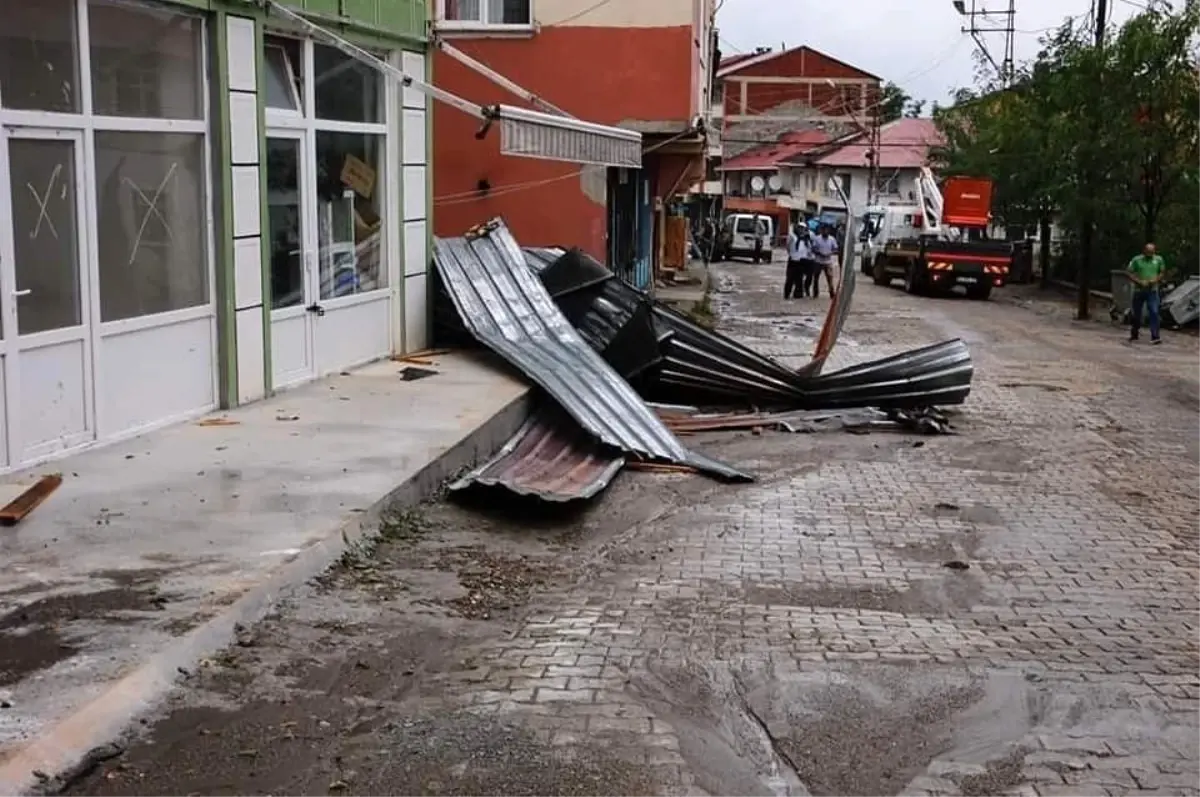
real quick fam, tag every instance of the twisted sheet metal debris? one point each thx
(590, 340)
(549, 457)
(863, 419)
(503, 304)
(937, 375)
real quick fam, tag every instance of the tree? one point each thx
(896, 103)
(1091, 134)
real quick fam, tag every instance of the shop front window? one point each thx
(146, 62)
(346, 89)
(151, 223)
(349, 214)
(39, 56)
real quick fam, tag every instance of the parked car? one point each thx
(745, 235)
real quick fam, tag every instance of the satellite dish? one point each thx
(776, 182)
(757, 183)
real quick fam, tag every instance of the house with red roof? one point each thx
(903, 147)
(773, 105)
(793, 173)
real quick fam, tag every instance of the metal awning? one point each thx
(523, 132)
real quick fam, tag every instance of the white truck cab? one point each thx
(882, 223)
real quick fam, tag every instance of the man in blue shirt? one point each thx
(797, 263)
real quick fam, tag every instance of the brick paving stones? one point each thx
(1070, 493)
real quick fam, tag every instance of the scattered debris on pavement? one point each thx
(413, 373)
(922, 421)
(628, 374)
(19, 508)
(220, 421)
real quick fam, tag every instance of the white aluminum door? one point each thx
(45, 303)
(291, 231)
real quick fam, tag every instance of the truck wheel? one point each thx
(911, 280)
(980, 293)
(879, 273)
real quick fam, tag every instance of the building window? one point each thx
(39, 60)
(146, 62)
(842, 179)
(345, 89)
(337, 137)
(490, 12)
(151, 223)
(350, 216)
(284, 85)
(888, 184)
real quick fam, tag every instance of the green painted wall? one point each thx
(387, 19)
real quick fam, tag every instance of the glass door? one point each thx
(294, 303)
(44, 312)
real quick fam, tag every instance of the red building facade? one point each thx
(630, 63)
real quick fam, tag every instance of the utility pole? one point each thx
(1083, 279)
(979, 10)
(873, 154)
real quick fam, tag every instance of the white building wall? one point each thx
(615, 13)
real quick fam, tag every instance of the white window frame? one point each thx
(483, 25)
(89, 123)
(306, 120)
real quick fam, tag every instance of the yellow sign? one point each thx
(359, 176)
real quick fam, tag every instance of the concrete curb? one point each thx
(68, 743)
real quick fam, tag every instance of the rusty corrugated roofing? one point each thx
(551, 458)
(506, 307)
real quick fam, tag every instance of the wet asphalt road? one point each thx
(801, 635)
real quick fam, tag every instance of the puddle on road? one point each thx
(25, 653)
(34, 637)
(849, 731)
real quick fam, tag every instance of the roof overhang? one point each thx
(533, 134)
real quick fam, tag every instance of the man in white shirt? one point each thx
(824, 252)
(799, 257)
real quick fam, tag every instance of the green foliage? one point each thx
(1108, 134)
(896, 103)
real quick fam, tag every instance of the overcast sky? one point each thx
(915, 43)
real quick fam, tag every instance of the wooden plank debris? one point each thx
(20, 507)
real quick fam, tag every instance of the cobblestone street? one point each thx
(1010, 610)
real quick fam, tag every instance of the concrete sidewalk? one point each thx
(153, 550)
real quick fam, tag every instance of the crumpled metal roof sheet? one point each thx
(549, 457)
(935, 375)
(507, 308)
(701, 365)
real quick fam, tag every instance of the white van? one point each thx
(739, 234)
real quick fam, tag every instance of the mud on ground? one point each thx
(338, 690)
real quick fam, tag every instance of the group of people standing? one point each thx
(812, 251)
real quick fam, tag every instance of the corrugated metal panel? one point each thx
(507, 308)
(537, 135)
(704, 366)
(935, 375)
(551, 458)
(1182, 305)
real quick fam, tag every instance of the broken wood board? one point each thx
(218, 422)
(20, 507)
(423, 354)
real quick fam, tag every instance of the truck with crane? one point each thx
(937, 242)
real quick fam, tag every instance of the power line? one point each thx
(978, 10)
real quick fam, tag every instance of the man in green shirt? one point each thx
(1147, 271)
